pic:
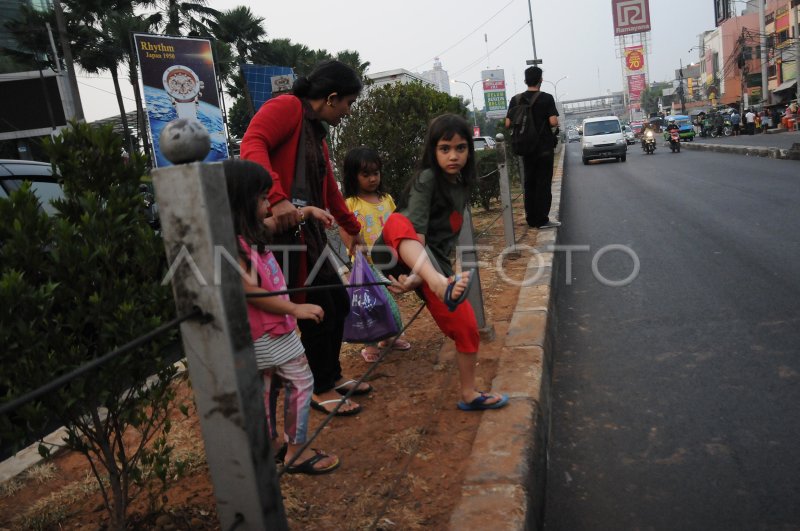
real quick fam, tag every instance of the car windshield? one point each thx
(683, 123)
(605, 127)
(480, 143)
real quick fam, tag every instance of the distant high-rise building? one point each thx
(438, 76)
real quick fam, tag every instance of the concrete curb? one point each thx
(750, 151)
(504, 482)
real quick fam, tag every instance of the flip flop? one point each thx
(307, 466)
(400, 344)
(320, 406)
(344, 387)
(479, 404)
(369, 357)
(452, 303)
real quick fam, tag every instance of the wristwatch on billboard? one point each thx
(184, 88)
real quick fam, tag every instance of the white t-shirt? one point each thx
(750, 117)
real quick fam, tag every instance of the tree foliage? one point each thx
(392, 119)
(74, 287)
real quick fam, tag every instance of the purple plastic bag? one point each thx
(370, 317)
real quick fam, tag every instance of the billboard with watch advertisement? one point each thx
(179, 81)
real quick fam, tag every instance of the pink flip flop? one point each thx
(370, 355)
(400, 344)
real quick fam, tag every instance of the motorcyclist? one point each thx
(672, 125)
(646, 128)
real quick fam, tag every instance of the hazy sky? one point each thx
(574, 38)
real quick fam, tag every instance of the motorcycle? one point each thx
(725, 130)
(649, 143)
(675, 141)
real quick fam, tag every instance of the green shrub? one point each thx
(392, 119)
(76, 286)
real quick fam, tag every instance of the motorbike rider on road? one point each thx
(672, 125)
(646, 128)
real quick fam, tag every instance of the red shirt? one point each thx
(271, 140)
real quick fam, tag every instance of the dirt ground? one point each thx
(403, 456)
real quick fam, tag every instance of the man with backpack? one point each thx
(533, 121)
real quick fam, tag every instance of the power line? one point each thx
(106, 91)
(491, 51)
(465, 37)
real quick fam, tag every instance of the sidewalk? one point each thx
(504, 484)
(778, 145)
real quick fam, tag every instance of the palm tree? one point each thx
(195, 17)
(353, 59)
(239, 27)
(98, 54)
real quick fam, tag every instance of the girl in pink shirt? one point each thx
(280, 357)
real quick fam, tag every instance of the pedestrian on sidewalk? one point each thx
(538, 167)
(736, 120)
(750, 121)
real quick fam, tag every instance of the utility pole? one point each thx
(680, 88)
(65, 47)
(536, 60)
(796, 59)
(762, 29)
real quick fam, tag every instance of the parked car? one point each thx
(484, 142)
(46, 187)
(43, 183)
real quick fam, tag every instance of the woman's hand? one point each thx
(320, 215)
(311, 312)
(285, 215)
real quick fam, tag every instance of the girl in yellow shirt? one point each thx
(365, 197)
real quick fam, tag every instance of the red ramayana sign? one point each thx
(630, 16)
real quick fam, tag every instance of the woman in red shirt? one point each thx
(287, 137)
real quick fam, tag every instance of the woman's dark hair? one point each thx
(246, 182)
(328, 77)
(360, 159)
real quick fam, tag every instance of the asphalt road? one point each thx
(676, 397)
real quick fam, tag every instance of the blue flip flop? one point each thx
(452, 303)
(479, 404)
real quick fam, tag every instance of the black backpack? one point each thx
(525, 135)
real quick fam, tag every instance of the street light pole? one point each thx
(555, 85)
(533, 39)
(472, 96)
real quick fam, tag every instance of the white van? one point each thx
(602, 138)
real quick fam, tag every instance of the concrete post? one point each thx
(199, 240)
(468, 253)
(505, 195)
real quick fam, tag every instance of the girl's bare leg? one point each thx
(466, 373)
(413, 254)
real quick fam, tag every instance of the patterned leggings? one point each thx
(296, 378)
